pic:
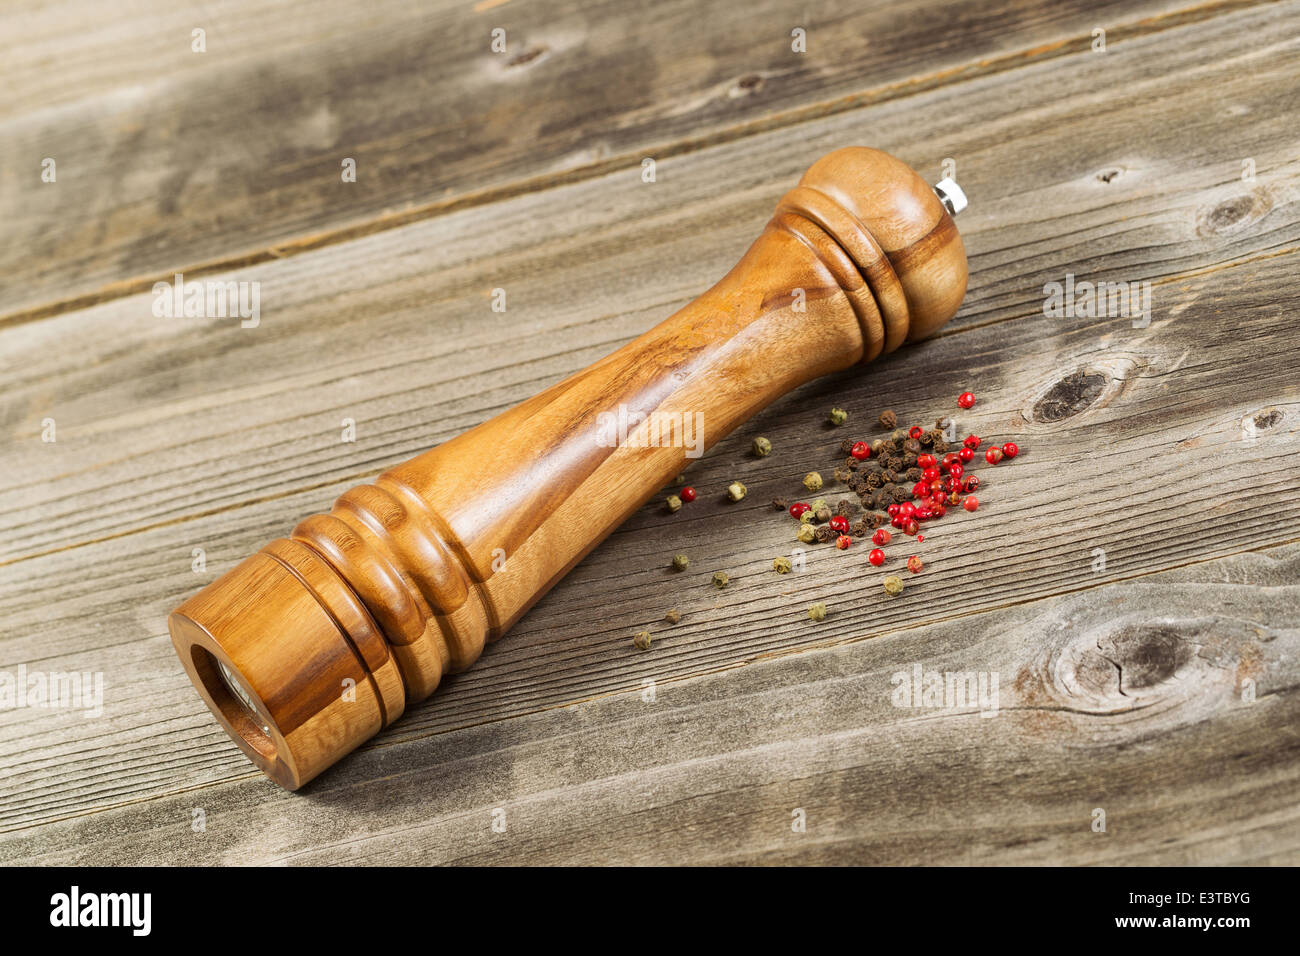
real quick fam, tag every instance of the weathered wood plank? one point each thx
(1167, 420)
(171, 160)
(261, 408)
(1102, 697)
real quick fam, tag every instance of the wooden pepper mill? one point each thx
(319, 640)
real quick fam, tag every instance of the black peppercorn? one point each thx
(888, 420)
(780, 504)
(846, 446)
(844, 507)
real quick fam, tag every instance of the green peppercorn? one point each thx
(808, 517)
(812, 481)
(817, 612)
(681, 562)
(781, 565)
(838, 416)
(893, 585)
(807, 533)
(642, 640)
(720, 579)
(823, 514)
(736, 491)
(674, 503)
(817, 504)
(762, 447)
(673, 616)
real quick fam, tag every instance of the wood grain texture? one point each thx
(260, 409)
(1125, 166)
(1102, 697)
(173, 160)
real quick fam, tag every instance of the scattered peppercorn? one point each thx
(812, 481)
(688, 493)
(720, 579)
(681, 562)
(966, 400)
(673, 616)
(846, 446)
(798, 508)
(993, 455)
(826, 533)
(914, 564)
(838, 416)
(881, 536)
(888, 420)
(808, 517)
(843, 542)
(642, 640)
(781, 565)
(817, 612)
(673, 502)
(970, 503)
(844, 507)
(736, 491)
(893, 585)
(860, 450)
(876, 557)
(807, 533)
(823, 514)
(1010, 450)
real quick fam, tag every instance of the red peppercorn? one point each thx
(971, 503)
(993, 455)
(930, 473)
(939, 498)
(916, 431)
(921, 489)
(966, 455)
(906, 509)
(925, 461)
(914, 564)
(924, 513)
(936, 485)
(898, 521)
(860, 450)
(797, 509)
(839, 523)
(911, 527)
(956, 470)
(1010, 450)
(843, 542)
(939, 511)
(970, 483)
(949, 459)
(881, 536)
(972, 441)
(876, 557)
(966, 400)
(893, 510)
(688, 493)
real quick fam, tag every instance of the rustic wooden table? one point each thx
(1133, 580)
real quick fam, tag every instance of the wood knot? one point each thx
(530, 55)
(1070, 396)
(1233, 214)
(1144, 655)
(748, 84)
(1109, 175)
(1267, 418)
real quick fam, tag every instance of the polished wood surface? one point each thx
(447, 551)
